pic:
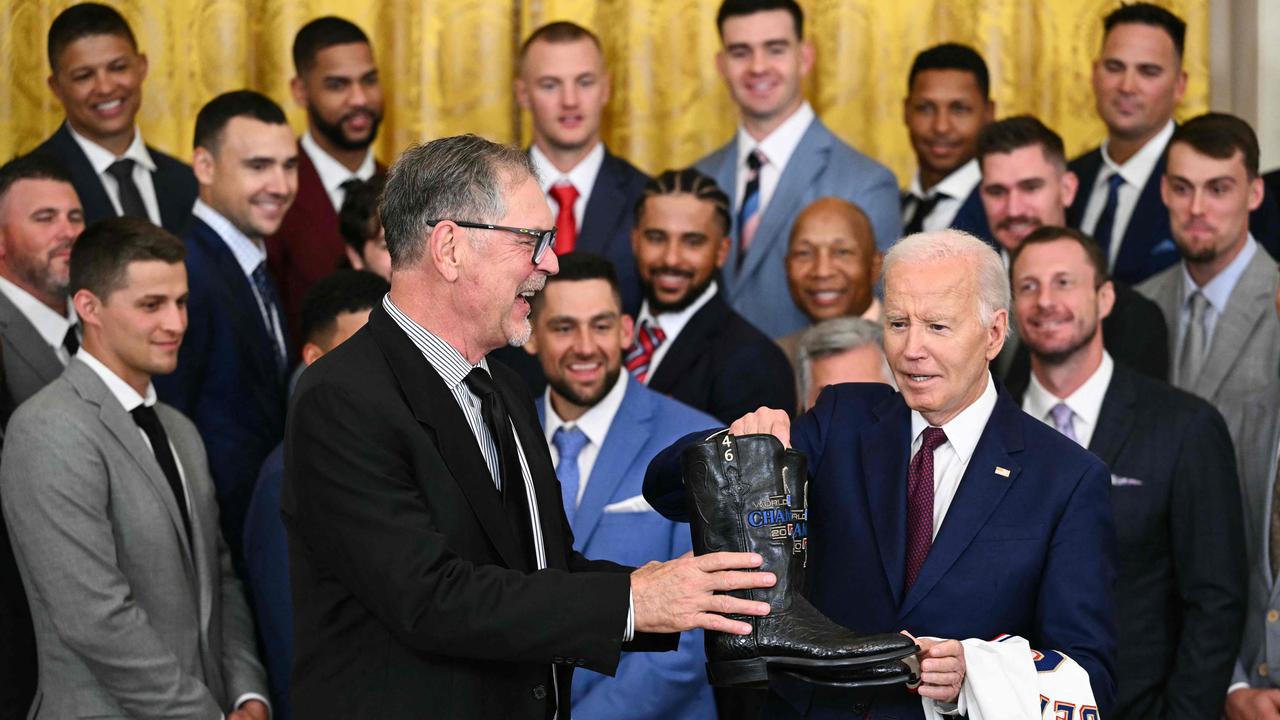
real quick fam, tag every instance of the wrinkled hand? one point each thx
(941, 668)
(250, 710)
(1253, 704)
(764, 421)
(677, 595)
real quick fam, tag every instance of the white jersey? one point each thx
(1005, 679)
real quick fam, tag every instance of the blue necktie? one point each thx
(1107, 220)
(569, 442)
(748, 213)
(267, 292)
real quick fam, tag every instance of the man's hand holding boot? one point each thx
(679, 594)
(764, 421)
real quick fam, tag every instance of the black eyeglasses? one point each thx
(544, 239)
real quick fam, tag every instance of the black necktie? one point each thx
(131, 204)
(271, 304)
(511, 480)
(70, 341)
(924, 206)
(149, 421)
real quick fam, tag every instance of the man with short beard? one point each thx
(603, 428)
(1180, 593)
(689, 344)
(337, 82)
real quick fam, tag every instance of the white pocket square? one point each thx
(1121, 481)
(634, 504)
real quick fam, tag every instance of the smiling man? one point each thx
(230, 377)
(96, 72)
(780, 159)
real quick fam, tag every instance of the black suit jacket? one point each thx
(413, 595)
(1134, 333)
(721, 364)
(1180, 594)
(608, 219)
(174, 182)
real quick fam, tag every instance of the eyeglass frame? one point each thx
(545, 239)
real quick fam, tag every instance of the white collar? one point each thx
(673, 322)
(1137, 169)
(1218, 290)
(779, 145)
(965, 429)
(582, 176)
(956, 186)
(101, 158)
(595, 422)
(1085, 402)
(51, 326)
(249, 253)
(333, 173)
(123, 392)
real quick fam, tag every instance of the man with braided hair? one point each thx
(689, 343)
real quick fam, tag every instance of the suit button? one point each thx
(1273, 615)
(1263, 670)
(557, 660)
(539, 692)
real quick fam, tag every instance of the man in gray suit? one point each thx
(781, 159)
(112, 513)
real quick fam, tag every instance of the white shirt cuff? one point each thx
(254, 696)
(630, 633)
(1237, 686)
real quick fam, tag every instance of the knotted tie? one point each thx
(149, 421)
(923, 207)
(569, 442)
(565, 195)
(920, 502)
(271, 316)
(131, 204)
(510, 480)
(71, 341)
(749, 212)
(1063, 420)
(649, 337)
(1102, 230)
(1191, 358)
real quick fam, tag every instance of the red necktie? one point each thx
(648, 338)
(920, 503)
(565, 195)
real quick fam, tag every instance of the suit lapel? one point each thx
(1252, 297)
(884, 472)
(1149, 221)
(26, 343)
(433, 406)
(619, 451)
(1086, 168)
(93, 196)
(239, 294)
(207, 573)
(689, 345)
(1115, 418)
(310, 186)
(166, 184)
(604, 209)
(545, 486)
(980, 492)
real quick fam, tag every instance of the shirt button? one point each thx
(539, 692)
(1273, 615)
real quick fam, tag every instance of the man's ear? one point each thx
(353, 257)
(722, 253)
(444, 248)
(298, 89)
(311, 352)
(87, 306)
(202, 164)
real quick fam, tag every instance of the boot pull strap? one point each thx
(728, 448)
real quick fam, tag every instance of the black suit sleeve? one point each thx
(358, 503)
(1209, 564)
(664, 480)
(758, 374)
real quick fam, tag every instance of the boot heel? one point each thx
(748, 672)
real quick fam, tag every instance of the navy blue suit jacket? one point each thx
(227, 379)
(1148, 246)
(972, 217)
(646, 685)
(174, 182)
(607, 222)
(1029, 553)
(266, 565)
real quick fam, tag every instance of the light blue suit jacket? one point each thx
(647, 685)
(821, 166)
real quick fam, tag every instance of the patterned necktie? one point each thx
(271, 306)
(565, 195)
(131, 204)
(1191, 357)
(649, 337)
(920, 503)
(1062, 419)
(924, 206)
(749, 212)
(569, 442)
(149, 421)
(1102, 230)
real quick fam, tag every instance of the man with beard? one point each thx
(603, 428)
(231, 369)
(1026, 185)
(337, 82)
(1180, 592)
(40, 219)
(689, 344)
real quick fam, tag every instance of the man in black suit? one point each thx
(689, 343)
(1181, 587)
(431, 561)
(948, 103)
(96, 72)
(563, 84)
(1026, 185)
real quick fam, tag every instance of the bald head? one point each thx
(832, 261)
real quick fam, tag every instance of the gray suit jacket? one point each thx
(1241, 377)
(822, 165)
(29, 362)
(131, 620)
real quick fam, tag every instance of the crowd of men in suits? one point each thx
(195, 527)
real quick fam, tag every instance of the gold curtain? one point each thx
(447, 66)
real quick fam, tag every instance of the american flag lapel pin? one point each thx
(1002, 472)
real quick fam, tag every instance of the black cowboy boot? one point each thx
(746, 494)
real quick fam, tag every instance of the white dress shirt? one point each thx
(594, 423)
(672, 323)
(951, 458)
(101, 158)
(1136, 171)
(1085, 402)
(1217, 291)
(957, 186)
(582, 177)
(778, 148)
(333, 173)
(130, 400)
(51, 326)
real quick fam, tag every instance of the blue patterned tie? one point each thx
(749, 212)
(267, 293)
(1106, 221)
(569, 442)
